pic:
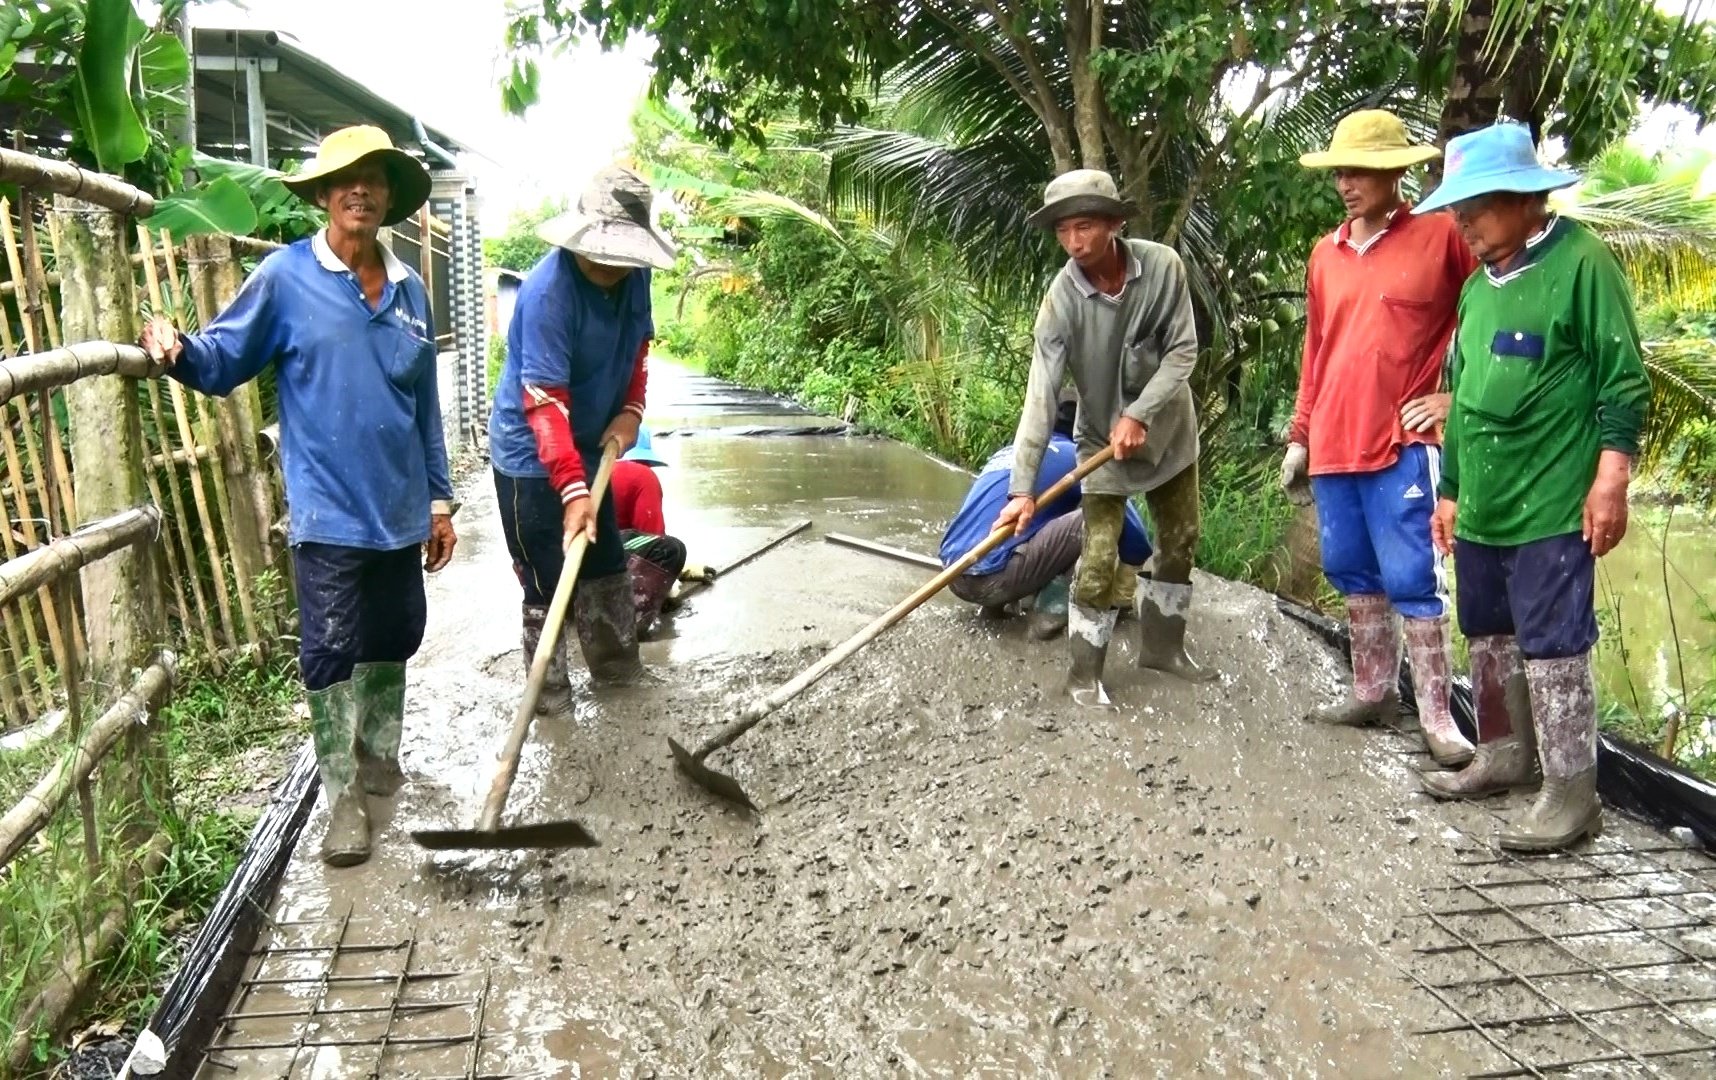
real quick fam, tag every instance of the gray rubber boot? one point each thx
(1564, 703)
(1162, 609)
(334, 728)
(1049, 610)
(1429, 647)
(607, 630)
(1506, 755)
(380, 689)
(1088, 634)
(555, 701)
(1376, 666)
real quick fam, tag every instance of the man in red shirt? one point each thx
(654, 559)
(1380, 298)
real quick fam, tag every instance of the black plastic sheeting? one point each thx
(1629, 777)
(193, 1001)
(752, 431)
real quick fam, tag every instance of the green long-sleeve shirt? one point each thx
(1547, 374)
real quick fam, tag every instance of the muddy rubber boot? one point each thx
(1506, 755)
(1088, 634)
(1430, 650)
(650, 586)
(1162, 609)
(1376, 666)
(555, 701)
(607, 630)
(380, 690)
(1564, 703)
(334, 727)
(1049, 610)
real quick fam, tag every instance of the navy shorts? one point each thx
(1375, 533)
(532, 522)
(1539, 592)
(356, 606)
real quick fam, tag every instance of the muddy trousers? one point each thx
(361, 616)
(602, 610)
(1175, 520)
(1047, 555)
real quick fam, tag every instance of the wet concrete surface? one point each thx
(954, 872)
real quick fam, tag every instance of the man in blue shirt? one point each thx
(574, 379)
(1040, 560)
(348, 329)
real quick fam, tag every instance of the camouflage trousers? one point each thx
(1174, 525)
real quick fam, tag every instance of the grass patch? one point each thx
(222, 737)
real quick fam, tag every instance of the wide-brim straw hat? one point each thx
(1500, 157)
(1081, 193)
(346, 147)
(612, 223)
(1370, 139)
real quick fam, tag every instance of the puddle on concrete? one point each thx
(955, 873)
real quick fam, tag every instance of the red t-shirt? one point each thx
(1378, 319)
(637, 497)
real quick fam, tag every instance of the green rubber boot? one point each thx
(334, 726)
(381, 719)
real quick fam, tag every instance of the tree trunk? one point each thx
(1476, 88)
(1083, 36)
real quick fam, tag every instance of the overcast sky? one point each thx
(442, 59)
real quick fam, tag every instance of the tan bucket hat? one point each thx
(612, 224)
(1080, 193)
(350, 145)
(1370, 139)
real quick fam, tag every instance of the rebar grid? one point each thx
(316, 1006)
(1622, 917)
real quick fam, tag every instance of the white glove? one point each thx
(1295, 478)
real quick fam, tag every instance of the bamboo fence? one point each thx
(222, 597)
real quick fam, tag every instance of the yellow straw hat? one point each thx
(350, 145)
(1370, 139)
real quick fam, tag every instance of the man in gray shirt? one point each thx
(1118, 320)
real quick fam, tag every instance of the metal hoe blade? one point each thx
(546, 834)
(711, 780)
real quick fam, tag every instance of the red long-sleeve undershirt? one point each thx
(548, 411)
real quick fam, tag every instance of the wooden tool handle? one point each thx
(506, 768)
(757, 710)
(761, 549)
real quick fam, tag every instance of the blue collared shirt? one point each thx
(360, 413)
(988, 495)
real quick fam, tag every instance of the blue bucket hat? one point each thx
(643, 450)
(1497, 158)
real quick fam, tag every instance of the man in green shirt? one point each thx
(1550, 394)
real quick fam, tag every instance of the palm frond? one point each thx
(1683, 396)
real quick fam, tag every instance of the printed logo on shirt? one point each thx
(1414, 492)
(411, 320)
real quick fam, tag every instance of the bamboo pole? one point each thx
(40, 300)
(32, 813)
(181, 524)
(244, 562)
(188, 440)
(27, 523)
(67, 555)
(64, 178)
(64, 366)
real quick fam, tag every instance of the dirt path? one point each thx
(955, 872)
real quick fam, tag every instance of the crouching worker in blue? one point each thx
(1041, 560)
(348, 329)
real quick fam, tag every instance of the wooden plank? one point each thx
(884, 550)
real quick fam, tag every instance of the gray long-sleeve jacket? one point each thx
(1131, 354)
